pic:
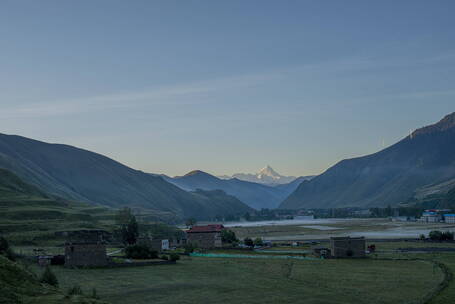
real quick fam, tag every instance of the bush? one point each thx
(189, 247)
(140, 252)
(258, 242)
(174, 257)
(164, 257)
(228, 236)
(74, 291)
(248, 242)
(435, 235)
(48, 277)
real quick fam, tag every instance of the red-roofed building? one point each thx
(208, 236)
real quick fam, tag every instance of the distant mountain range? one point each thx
(84, 176)
(253, 194)
(425, 157)
(266, 176)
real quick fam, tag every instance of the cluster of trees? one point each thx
(437, 235)
(402, 211)
(140, 252)
(129, 230)
(228, 236)
(251, 243)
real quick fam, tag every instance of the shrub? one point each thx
(258, 242)
(228, 236)
(140, 252)
(174, 257)
(248, 242)
(189, 247)
(48, 277)
(164, 257)
(435, 235)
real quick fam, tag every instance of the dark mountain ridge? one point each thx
(387, 177)
(81, 175)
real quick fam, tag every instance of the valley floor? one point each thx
(382, 278)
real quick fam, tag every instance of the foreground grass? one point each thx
(213, 280)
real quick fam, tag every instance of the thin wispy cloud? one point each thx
(164, 95)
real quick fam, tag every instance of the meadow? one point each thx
(220, 280)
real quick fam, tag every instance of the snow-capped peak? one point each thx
(265, 176)
(268, 171)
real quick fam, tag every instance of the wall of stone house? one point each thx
(205, 239)
(79, 255)
(340, 248)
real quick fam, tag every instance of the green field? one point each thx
(213, 280)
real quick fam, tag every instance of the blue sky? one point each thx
(225, 86)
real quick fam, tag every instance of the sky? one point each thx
(225, 86)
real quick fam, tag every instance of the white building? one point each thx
(449, 218)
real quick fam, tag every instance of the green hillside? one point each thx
(20, 286)
(80, 175)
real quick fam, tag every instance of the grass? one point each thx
(213, 280)
(18, 285)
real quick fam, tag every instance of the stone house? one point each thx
(85, 255)
(208, 236)
(85, 249)
(347, 247)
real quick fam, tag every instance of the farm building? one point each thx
(86, 249)
(347, 247)
(208, 236)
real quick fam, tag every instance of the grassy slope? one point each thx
(27, 216)
(85, 176)
(20, 286)
(215, 280)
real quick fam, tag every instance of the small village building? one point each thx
(85, 249)
(177, 242)
(85, 255)
(430, 216)
(449, 218)
(347, 247)
(206, 237)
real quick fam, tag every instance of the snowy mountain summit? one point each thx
(265, 176)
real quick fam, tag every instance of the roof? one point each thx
(206, 229)
(449, 214)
